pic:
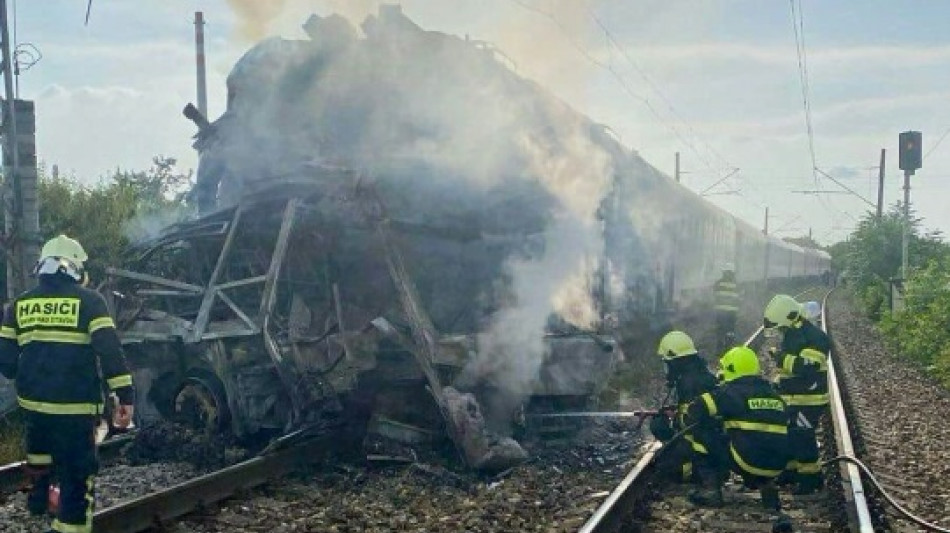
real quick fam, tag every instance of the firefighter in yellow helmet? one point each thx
(687, 376)
(752, 425)
(802, 363)
(54, 340)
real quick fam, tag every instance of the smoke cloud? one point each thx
(256, 16)
(452, 137)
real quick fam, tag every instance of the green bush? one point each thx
(921, 331)
(871, 256)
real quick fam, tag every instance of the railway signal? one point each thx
(910, 151)
(910, 160)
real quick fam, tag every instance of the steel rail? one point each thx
(158, 508)
(12, 474)
(855, 497)
(609, 516)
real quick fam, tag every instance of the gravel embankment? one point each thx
(555, 492)
(901, 416)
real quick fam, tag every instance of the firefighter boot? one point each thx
(710, 492)
(707, 497)
(782, 524)
(808, 484)
(770, 499)
(37, 502)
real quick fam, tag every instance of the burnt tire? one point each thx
(201, 402)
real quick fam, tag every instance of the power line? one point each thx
(940, 140)
(798, 28)
(705, 191)
(620, 79)
(649, 81)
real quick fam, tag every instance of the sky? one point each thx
(716, 80)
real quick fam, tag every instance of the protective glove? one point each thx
(662, 427)
(123, 416)
(777, 356)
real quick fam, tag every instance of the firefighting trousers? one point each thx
(713, 469)
(64, 446)
(725, 330)
(803, 445)
(688, 452)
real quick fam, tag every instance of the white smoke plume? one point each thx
(488, 138)
(255, 16)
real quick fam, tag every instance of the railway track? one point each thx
(643, 503)
(12, 475)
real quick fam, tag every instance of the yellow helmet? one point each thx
(675, 344)
(62, 254)
(782, 311)
(738, 362)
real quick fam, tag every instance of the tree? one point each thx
(871, 257)
(108, 217)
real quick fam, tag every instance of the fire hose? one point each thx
(866, 471)
(890, 500)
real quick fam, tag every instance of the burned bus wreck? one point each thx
(309, 302)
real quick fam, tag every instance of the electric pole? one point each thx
(21, 237)
(11, 182)
(766, 232)
(676, 168)
(880, 186)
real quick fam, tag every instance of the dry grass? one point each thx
(11, 439)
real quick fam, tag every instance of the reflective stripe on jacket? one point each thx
(727, 297)
(53, 341)
(803, 365)
(755, 420)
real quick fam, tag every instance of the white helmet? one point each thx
(62, 254)
(782, 311)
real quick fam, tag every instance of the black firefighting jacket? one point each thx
(754, 419)
(689, 377)
(49, 343)
(802, 360)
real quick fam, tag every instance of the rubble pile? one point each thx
(555, 491)
(167, 442)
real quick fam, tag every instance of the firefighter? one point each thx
(751, 423)
(53, 342)
(802, 363)
(727, 308)
(688, 376)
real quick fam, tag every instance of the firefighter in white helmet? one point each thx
(54, 340)
(802, 363)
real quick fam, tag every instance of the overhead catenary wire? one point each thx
(936, 144)
(798, 28)
(619, 78)
(614, 42)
